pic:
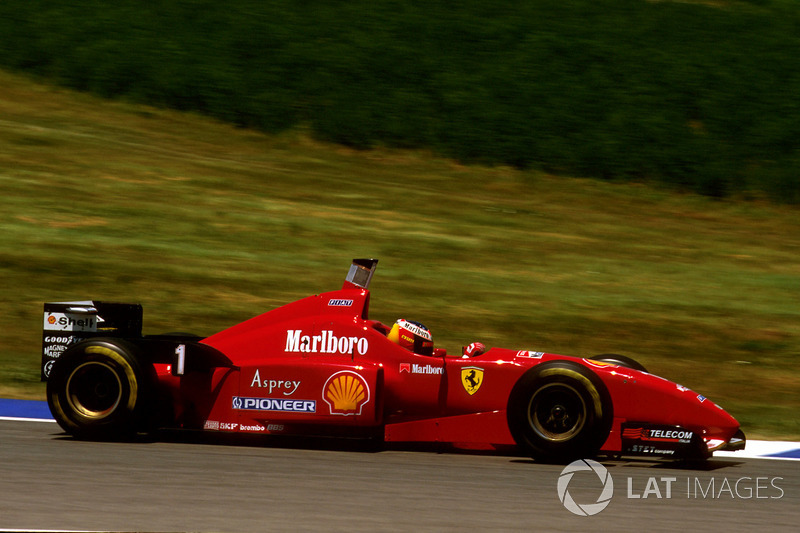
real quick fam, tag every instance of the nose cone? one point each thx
(694, 411)
(718, 428)
(655, 399)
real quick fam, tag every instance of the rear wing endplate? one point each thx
(66, 323)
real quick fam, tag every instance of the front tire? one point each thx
(620, 360)
(98, 390)
(560, 411)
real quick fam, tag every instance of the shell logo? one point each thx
(346, 393)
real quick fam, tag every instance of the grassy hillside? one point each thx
(698, 95)
(206, 225)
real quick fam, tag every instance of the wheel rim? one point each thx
(557, 412)
(94, 390)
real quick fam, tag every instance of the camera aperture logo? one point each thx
(658, 487)
(586, 509)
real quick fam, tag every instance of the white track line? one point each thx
(21, 419)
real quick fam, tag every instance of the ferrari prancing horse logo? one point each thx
(472, 379)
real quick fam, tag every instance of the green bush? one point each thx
(699, 97)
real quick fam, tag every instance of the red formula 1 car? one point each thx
(320, 366)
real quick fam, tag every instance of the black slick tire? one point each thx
(619, 360)
(99, 390)
(560, 411)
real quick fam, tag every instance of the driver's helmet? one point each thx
(412, 336)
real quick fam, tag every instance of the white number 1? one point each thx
(180, 351)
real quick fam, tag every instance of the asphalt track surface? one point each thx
(50, 481)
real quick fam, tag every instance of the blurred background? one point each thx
(702, 95)
(568, 176)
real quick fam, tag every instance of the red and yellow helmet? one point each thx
(412, 336)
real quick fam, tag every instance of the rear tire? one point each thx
(98, 390)
(560, 411)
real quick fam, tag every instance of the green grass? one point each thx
(206, 225)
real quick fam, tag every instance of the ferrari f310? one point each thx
(321, 367)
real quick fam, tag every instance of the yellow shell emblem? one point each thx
(346, 393)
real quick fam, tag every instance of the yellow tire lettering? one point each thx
(587, 383)
(117, 358)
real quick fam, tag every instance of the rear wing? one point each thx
(360, 274)
(66, 323)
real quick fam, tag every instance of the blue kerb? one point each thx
(25, 409)
(788, 454)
